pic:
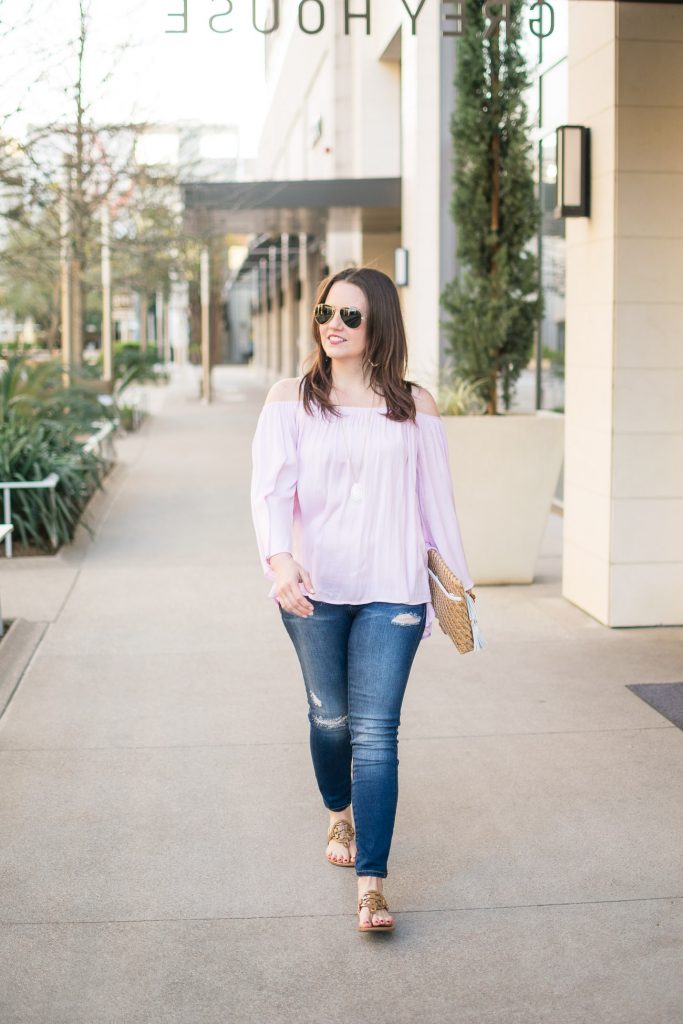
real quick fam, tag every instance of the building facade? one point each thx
(356, 152)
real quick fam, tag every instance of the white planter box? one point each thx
(505, 470)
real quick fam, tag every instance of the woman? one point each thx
(350, 485)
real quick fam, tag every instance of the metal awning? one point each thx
(273, 207)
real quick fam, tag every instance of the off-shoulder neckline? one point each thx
(366, 408)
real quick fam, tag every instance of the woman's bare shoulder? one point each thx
(285, 390)
(424, 402)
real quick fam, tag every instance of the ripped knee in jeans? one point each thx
(406, 619)
(330, 723)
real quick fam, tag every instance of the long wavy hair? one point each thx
(385, 358)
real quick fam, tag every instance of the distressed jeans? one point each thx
(355, 661)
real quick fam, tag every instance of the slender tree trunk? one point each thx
(216, 317)
(53, 325)
(143, 321)
(76, 314)
(494, 54)
(492, 401)
(78, 213)
(195, 321)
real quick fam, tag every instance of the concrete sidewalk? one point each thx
(163, 836)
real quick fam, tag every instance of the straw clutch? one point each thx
(453, 606)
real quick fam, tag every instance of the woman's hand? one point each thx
(287, 576)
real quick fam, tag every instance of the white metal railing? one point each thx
(7, 486)
(103, 440)
(5, 531)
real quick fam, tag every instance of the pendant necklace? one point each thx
(356, 489)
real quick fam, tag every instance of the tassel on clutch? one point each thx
(453, 606)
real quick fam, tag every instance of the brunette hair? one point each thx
(386, 349)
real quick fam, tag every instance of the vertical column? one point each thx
(305, 304)
(310, 263)
(294, 302)
(590, 320)
(288, 357)
(344, 238)
(106, 343)
(205, 297)
(273, 312)
(165, 354)
(255, 327)
(159, 321)
(623, 502)
(179, 320)
(264, 315)
(65, 267)
(421, 202)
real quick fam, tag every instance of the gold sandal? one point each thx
(374, 901)
(343, 832)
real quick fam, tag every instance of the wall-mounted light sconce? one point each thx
(573, 171)
(400, 267)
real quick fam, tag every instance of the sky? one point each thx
(142, 65)
(138, 65)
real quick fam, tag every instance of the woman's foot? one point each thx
(366, 919)
(337, 852)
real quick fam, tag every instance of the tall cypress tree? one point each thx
(496, 301)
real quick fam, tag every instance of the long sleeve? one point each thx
(273, 479)
(435, 493)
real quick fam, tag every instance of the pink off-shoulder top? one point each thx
(355, 552)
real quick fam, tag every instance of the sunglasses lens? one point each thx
(352, 317)
(323, 313)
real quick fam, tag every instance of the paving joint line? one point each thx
(301, 743)
(320, 917)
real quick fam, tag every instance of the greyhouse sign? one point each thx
(311, 16)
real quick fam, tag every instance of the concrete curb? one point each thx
(16, 650)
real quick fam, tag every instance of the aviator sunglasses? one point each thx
(351, 316)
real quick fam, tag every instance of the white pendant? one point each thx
(356, 492)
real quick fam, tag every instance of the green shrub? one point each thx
(460, 398)
(36, 391)
(495, 302)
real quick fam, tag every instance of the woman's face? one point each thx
(338, 340)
